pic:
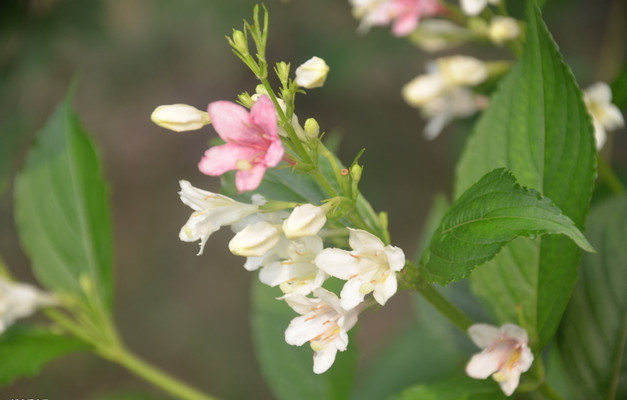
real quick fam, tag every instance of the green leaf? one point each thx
(61, 209)
(13, 141)
(619, 90)
(537, 126)
(487, 216)
(288, 370)
(593, 336)
(455, 388)
(25, 350)
(126, 396)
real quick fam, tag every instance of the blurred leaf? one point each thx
(486, 217)
(25, 350)
(12, 143)
(538, 127)
(424, 351)
(593, 333)
(619, 90)
(61, 208)
(288, 370)
(126, 396)
(458, 387)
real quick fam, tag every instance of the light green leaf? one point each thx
(537, 126)
(13, 141)
(288, 370)
(487, 216)
(593, 336)
(61, 208)
(25, 350)
(454, 388)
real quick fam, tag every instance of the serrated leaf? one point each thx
(288, 370)
(454, 388)
(61, 208)
(593, 336)
(537, 126)
(25, 350)
(487, 216)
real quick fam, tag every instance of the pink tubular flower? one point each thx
(252, 142)
(402, 14)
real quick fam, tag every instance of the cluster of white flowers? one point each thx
(289, 252)
(445, 91)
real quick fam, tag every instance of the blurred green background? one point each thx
(187, 314)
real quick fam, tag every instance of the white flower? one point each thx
(370, 268)
(323, 323)
(255, 240)
(462, 70)
(312, 73)
(292, 266)
(503, 29)
(211, 211)
(474, 7)
(459, 102)
(180, 117)
(605, 115)
(19, 300)
(506, 354)
(305, 220)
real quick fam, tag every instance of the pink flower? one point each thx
(402, 14)
(252, 142)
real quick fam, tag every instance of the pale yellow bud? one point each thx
(462, 70)
(180, 117)
(312, 129)
(503, 29)
(312, 73)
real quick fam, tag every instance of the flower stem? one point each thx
(448, 309)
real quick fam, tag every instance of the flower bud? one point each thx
(462, 70)
(423, 89)
(312, 129)
(180, 117)
(239, 41)
(245, 99)
(305, 220)
(283, 71)
(255, 240)
(312, 73)
(503, 29)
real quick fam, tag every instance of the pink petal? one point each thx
(219, 159)
(263, 115)
(405, 24)
(274, 154)
(233, 123)
(249, 179)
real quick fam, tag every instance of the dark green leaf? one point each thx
(454, 388)
(61, 208)
(13, 141)
(537, 126)
(593, 334)
(288, 370)
(25, 350)
(487, 216)
(619, 90)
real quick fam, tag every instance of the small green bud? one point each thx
(260, 89)
(245, 99)
(312, 129)
(239, 42)
(283, 72)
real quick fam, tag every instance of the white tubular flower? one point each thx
(312, 73)
(19, 300)
(305, 220)
(255, 240)
(370, 268)
(474, 7)
(459, 102)
(505, 354)
(293, 268)
(605, 115)
(180, 117)
(462, 70)
(323, 323)
(211, 211)
(503, 29)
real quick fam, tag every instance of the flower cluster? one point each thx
(289, 252)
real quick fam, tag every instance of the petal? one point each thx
(599, 92)
(405, 24)
(526, 359)
(473, 7)
(350, 295)
(338, 263)
(484, 335)
(263, 114)
(515, 332)
(274, 153)
(249, 179)
(483, 365)
(364, 242)
(219, 159)
(508, 381)
(300, 303)
(613, 119)
(303, 329)
(382, 292)
(233, 123)
(396, 257)
(324, 358)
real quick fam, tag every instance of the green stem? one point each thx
(155, 376)
(608, 175)
(448, 309)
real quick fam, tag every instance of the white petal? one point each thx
(526, 359)
(515, 332)
(303, 329)
(396, 257)
(300, 303)
(599, 92)
(351, 295)
(338, 263)
(324, 358)
(484, 335)
(473, 7)
(613, 119)
(255, 240)
(305, 220)
(483, 365)
(364, 242)
(422, 89)
(385, 290)
(508, 381)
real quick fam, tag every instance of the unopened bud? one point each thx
(239, 41)
(312, 73)
(503, 29)
(462, 70)
(180, 117)
(245, 99)
(312, 129)
(305, 220)
(283, 71)
(255, 240)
